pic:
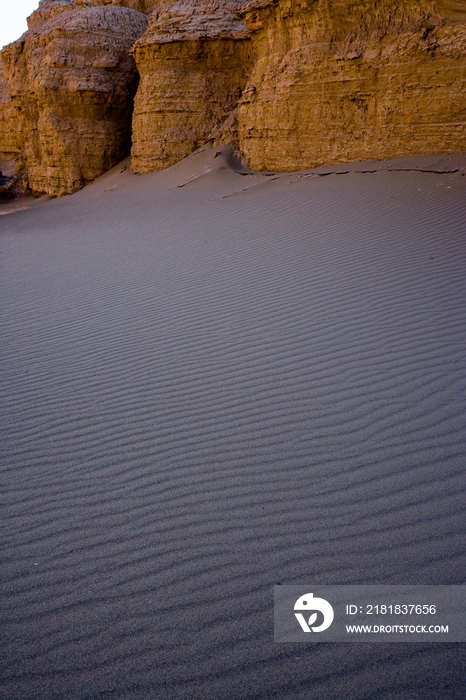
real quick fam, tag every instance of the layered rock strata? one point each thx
(193, 61)
(73, 80)
(10, 119)
(346, 80)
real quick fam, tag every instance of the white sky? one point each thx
(13, 15)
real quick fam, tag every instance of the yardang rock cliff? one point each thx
(344, 80)
(292, 83)
(10, 122)
(73, 81)
(193, 61)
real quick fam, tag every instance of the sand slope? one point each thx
(216, 381)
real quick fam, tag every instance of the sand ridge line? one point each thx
(111, 189)
(13, 211)
(378, 170)
(201, 173)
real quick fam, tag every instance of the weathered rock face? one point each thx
(296, 83)
(73, 79)
(193, 61)
(9, 122)
(345, 80)
(145, 6)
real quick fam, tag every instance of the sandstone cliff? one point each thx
(193, 61)
(294, 83)
(9, 122)
(73, 80)
(344, 80)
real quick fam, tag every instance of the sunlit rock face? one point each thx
(346, 80)
(9, 122)
(193, 61)
(73, 80)
(293, 83)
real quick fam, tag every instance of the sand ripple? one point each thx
(212, 389)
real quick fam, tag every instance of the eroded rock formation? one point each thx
(73, 80)
(193, 61)
(293, 83)
(345, 80)
(9, 122)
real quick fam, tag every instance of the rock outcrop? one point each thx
(193, 61)
(346, 80)
(145, 6)
(9, 122)
(73, 81)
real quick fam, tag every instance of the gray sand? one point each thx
(214, 382)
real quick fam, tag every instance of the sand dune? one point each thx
(215, 381)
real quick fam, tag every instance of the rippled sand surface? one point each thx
(216, 381)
